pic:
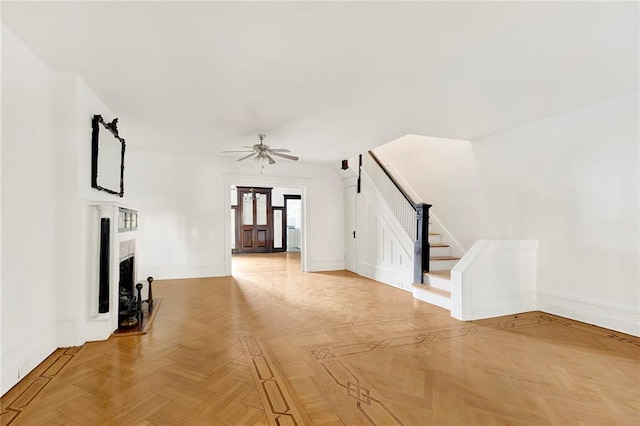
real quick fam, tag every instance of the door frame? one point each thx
(304, 184)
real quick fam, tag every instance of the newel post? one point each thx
(421, 246)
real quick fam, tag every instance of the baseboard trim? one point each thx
(389, 276)
(325, 265)
(20, 361)
(500, 309)
(181, 272)
(625, 321)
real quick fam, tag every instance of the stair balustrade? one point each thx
(414, 217)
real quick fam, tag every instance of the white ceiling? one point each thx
(331, 80)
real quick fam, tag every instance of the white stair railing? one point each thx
(402, 208)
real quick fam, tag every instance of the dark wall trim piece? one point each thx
(359, 171)
(105, 244)
(422, 248)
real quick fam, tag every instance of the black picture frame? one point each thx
(112, 127)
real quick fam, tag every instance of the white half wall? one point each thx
(494, 278)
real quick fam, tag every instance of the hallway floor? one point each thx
(274, 345)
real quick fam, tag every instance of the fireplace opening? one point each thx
(127, 302)
(128, 305)
(135, 314)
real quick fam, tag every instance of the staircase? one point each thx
(437, 282)
(413, 217)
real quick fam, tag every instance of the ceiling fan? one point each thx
(264, 152)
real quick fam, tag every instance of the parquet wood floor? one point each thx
(273, 345)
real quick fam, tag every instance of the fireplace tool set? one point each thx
(130, 306)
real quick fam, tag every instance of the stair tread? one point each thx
(440, 274)
(444, 258)
(427, 287)
(438, 245)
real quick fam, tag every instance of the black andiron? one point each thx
(130, 311)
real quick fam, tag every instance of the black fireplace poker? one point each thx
(148, 301)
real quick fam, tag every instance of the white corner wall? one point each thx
(46, 135)
(28, 205)
(570, 181)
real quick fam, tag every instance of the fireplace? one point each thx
(117, 304)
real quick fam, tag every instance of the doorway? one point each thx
(254, 220)
(293, 217)
(280, 187)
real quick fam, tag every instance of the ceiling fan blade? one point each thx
(288, 157)
(279, 150)
(245, 157)
(271, 160)
(227, 152)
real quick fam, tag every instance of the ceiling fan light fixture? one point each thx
(263, 153)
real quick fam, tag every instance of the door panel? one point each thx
(261, 238)
(255, 233)
(247, 239)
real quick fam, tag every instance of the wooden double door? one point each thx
(254, 220)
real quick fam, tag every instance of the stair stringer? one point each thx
(385, 250)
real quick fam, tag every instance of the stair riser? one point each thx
(434, 299)
(440, 251)
(438, 282)
(441, 265)
(435, 239)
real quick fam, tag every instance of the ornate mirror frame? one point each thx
(95, 151)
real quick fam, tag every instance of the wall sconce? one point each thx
(345, 164)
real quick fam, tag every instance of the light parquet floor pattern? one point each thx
(273, 345)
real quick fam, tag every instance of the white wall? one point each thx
(46, 166)
(182, 206)
(28, 203)
(570, 181)
(278, 193)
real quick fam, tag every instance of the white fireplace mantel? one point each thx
(99, 326)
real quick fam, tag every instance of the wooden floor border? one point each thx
(283, 407)
(18, 398)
